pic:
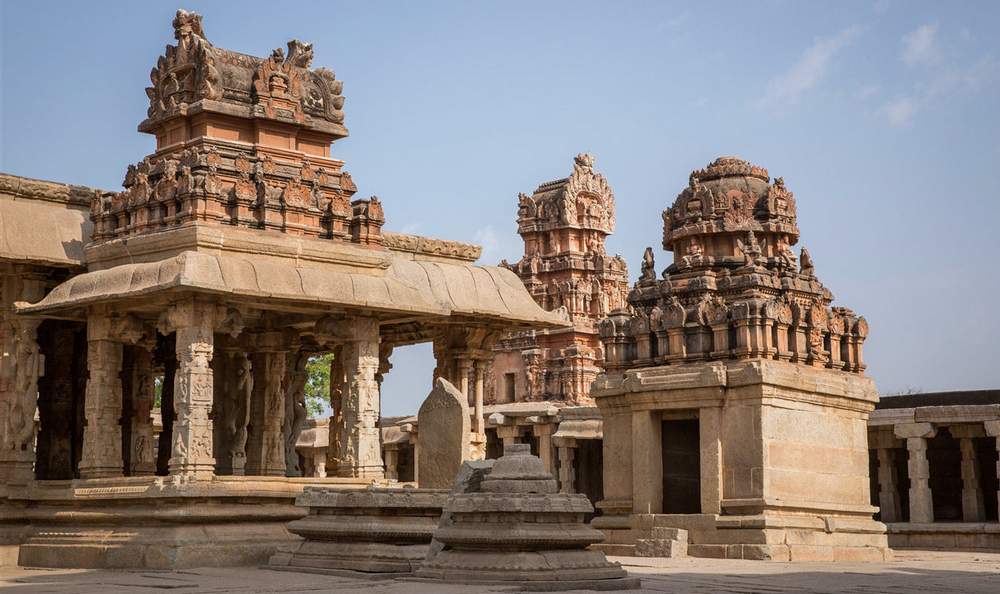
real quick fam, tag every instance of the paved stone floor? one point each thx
(912, 571)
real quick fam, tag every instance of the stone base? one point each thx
(373, 530)
(951, 536)
(769, 536)
(150, 523)
(534, 570)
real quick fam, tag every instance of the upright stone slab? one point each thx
(442, 443)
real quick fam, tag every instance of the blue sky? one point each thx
(880, 115)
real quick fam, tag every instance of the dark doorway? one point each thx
(986, 458)
(945, 462)
(900, 460)
(589, 468)
(404, 463)
(494, 445)
(681, 467)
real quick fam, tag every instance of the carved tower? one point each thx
(564, 225)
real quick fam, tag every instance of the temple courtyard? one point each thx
(910, 571)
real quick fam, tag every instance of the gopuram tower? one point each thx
(734, 400)
(564, 225)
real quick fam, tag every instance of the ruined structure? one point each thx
(236, 250)
(517, 529)
(564, 225)
(734, 403)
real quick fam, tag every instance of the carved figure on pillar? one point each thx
(358, 439)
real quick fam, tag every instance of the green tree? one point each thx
(318, 384)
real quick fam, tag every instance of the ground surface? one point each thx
(912, 571)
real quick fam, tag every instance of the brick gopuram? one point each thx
(235, 252)
(734, 402)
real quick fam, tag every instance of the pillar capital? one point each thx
(911, 430)
(992, 428)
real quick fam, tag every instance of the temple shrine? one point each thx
(235, 251)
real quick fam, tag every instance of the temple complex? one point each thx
(728, 377)
(235, 251)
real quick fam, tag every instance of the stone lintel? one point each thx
(992, 428)
(967, 431)
(958, 413)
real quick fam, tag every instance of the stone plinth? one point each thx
(150, 523)
(518, 530)
(377, 530)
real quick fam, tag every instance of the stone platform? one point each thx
(151, 522)
(375, 530)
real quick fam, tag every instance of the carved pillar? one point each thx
(102, 436)
(193, 322)
(295, 409)
(358, 433)
(973, 508)
(265, 445)
(509, 434)
(921, 501)
(888, 495)
(567, 472)
(993, 430)
(140, 446)
(22, 364)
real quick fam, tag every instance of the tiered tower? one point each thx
(733, 390)
(564, 225)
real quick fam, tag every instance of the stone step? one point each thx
(615, 550)
(661, 547)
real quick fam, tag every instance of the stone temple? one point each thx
(729, 377)
(155, 342)
(235, 251)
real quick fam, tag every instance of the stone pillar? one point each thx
(710, 438)
(993, 430)
(545, 450)
(193, 322)
(479, 424)
(647, 462)
(509, 434)
(169, 356)
(973, 508)
(567, 473)
(20, 368)
(888, 494)
(265, 446)
(102, 436)
(392, 463)
(358, 432)
(921, 501)
(295, 409)
(141, 460)
(319, 464)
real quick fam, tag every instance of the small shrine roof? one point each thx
(43, 222)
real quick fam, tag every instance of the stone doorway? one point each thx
(945, 460)
(681, 467)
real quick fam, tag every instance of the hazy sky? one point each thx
(880, 115)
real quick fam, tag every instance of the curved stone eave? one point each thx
(409, 288)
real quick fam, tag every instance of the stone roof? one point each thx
(412, 286)
(958, 397)
(63, 209)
